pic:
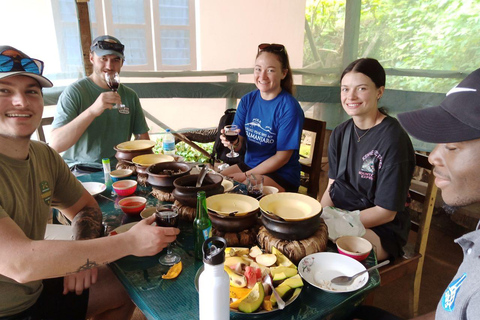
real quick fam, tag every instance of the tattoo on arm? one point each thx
(87, 266)
(87, 224)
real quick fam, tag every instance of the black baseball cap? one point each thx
(105, 45)
(456, 119)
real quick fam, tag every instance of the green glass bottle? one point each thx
(202, 226)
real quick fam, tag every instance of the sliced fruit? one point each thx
(266, 259)
(282, 291)
(296, 293)
(251, 275)
(293, 282)
(239, 293)
(232, 262)
(174, 271)
(231, 252)
(282, 260)
(267, 304)
(254, 300)
(236, 280)
(255, 251)
(281, 273)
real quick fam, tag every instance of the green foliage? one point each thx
(406, 34)
(186, 151)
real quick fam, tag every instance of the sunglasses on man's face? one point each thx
(106, 45)
(271, 47)
(8, 63)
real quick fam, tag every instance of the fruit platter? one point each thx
(250, 292)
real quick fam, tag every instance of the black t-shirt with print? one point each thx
(380, 167)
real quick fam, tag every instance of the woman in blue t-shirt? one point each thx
(378, 161)
(270, 122)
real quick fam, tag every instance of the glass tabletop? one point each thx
(177, 298)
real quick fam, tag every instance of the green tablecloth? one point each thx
(178, 298)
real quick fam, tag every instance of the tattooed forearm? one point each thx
(87, 224)
(87, 266)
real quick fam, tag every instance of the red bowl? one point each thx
(357, 248)
(132, 205)
(125, 188)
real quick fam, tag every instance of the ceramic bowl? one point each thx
(269, 190)
(147, 212)
(291, 230)
(125, 188)
(232, 204)
(132, 205)
(120, 174)
(163, 174)
(185, 190)
(357, 248)
(131, 149)
(227, 223)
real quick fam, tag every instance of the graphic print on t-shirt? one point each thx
(368, 166)
(259, 135)
(46, 192)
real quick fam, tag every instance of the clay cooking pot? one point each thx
(233, 223)
(291, 230)
(185, 191)
(163, 174)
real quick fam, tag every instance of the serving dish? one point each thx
(320, 268)
(291, 206)
(94, 188)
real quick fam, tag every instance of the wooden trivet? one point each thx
(126, 165)
(245, 238)
(186, 213)
(142, 179)
(295, 250)
(162, 195)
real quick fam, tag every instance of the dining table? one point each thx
(177, 298)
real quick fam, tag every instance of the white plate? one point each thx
(227, 185)
(94, 188)
(147, 212)
(123, 228)
(319, 269)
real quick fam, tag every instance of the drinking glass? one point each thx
(255, 186)
(113, 82)
(231, 135)
(167, 216)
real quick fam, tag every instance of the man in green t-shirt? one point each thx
(88, 123)
(50, 279)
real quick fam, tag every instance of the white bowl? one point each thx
(269, 190)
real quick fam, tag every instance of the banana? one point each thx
(236, 280)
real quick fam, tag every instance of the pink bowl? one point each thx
(357, 248)
(132, 205)
(125, 187)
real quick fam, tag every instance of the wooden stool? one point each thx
(295, 250)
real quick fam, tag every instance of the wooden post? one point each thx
(85, 34)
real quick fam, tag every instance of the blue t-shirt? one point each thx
(270, 126)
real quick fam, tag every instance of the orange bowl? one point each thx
(357, 248)
(132, 205)
(125, 188)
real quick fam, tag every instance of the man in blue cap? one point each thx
(455, 126)
(51, 279)
(87, 125)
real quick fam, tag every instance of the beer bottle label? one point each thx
(207, 233)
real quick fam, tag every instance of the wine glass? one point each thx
(231, 135)
(167, 216)
(113, 82)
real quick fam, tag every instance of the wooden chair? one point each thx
(45, 122)
(312, 165)
(413, 265)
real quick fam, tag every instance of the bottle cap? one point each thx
(105, 160)
(214, 250)
(168, 130)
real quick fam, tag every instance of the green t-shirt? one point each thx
(28, 188)
(106, 131)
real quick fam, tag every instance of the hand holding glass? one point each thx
(167, 216)
(231, 135)
(113, 82)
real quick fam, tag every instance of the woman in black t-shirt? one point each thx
(379, 161)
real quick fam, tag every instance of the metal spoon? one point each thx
(346, 280)
(280, 302)
(201, 176)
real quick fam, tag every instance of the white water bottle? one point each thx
(213, 283)
(168, 143)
